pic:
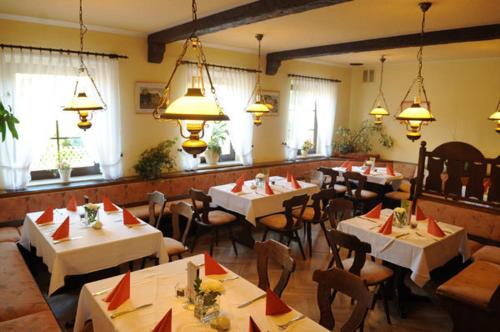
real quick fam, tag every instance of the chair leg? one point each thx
(195, 238)
(232, 240)
(300, 244)
(323, 227)
(289, 240)
(385, 296)
(212, 243)
(265, 234)
(216, 237)
(330, 264)
(309, 238)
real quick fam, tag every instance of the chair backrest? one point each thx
(321, 200)
(279, 254)
(346, 283)
(292, 204)
(156, 198)
(200, 216)
(338, 239)
(330, 177)
(351, 178)
(185, 210)
(316, 178)
(339, 209)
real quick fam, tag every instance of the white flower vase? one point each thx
(212, 157)
(65, 174)
(305, 153)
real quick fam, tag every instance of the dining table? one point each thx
(89, 249)
(153, 293)
(378, 176)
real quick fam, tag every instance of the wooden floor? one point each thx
(300, 293)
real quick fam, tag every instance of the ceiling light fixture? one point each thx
(379, 107)
(496, 117)
(258, 108)
(194, 106)
(419, 112)
(81, 102)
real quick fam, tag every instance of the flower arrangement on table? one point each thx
(206, 305)
(306, 147)
(401, 216)
(91, 212)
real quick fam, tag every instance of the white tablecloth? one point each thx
(378, 175)
(420, 254)
(156, 285)
(110, 246)
(253, 203)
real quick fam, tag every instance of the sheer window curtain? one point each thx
(305, 94)
(36, 85)
(234, 89)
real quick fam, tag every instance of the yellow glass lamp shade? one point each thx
(83, 104)
(258, 109)
(379, 112)
(496, 117)
(414, 117)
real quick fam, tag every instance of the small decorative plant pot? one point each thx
(304, 153)
(65, 174)
(400, 217)
(212, 157)
(206, 308)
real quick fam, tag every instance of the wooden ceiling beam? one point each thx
(246, 14)
(476, 33)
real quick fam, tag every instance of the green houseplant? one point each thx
(7, 122)
(154, 161)
(217, 139)
(360, 140)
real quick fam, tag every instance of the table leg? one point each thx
(243, 234)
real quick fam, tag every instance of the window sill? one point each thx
(220, 165)
(310, 156)
(59, 182)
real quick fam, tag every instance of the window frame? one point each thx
(315, 133)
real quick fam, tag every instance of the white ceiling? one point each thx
(351, 21)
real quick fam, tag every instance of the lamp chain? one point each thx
(194, 11)
(420, 79)
(382, 60)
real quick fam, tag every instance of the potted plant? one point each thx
(306, 147)
(7, 122)
(154, 161)
(64, 169)
(217, 139)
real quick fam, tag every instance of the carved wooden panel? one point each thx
(435, 167)
(494, 192)
(455, 172)
(476, 173)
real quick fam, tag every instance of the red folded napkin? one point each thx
(120, 293)
(71, 206)
(348, 168)
(129, 218)
(367, 170)
(288, 176)
(165, 325)
(386, 229)
(252, 326)
(486, 184)
(108, 205)
(433, 228)
(211, 266)
(274, 305)
(345, 164)
(47, 216)
(295, 183)
(239, 184)
(269, 191)
(389, 169)
(375, 212)
(419, 214)
(62, 231)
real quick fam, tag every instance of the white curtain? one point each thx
(306, 94)
(36, 85)
(234, 89)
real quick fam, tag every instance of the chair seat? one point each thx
(372, 273)
(405, 186)
(142, 211)
(218, 217)
(308, 215)
(340, 188)
(488, 254)
(173, 246)
(365, 194)
(275, 221)
(398, 195)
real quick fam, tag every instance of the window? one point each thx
(311, 129)
(216, 133)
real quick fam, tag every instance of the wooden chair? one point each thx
(330, 180)
(393, 198)
(279, 254)
(360, 197)
(284, 223)
(315, 213)
(372, 273)
(346, 283)
(339, 209)
(206, 218)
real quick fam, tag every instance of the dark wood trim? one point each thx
(184, 62)
(246, 14)
(316, 78)
(61, 50)
(468, 34)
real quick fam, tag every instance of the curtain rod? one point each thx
(221, 66)
(60, 50)
(316, 78)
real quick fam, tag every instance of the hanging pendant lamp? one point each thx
(496, 117)
(379, 107)
(258, 108)
(81, 102)
(419, 112)
(194, 107)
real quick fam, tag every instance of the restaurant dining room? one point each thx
(249, 165)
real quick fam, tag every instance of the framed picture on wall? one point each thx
(272, 98)
(147, 96)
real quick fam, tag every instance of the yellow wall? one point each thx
(142, 131)
(463, 93)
